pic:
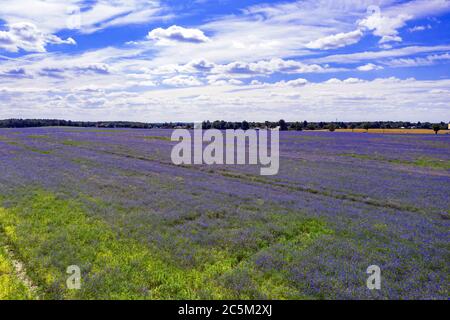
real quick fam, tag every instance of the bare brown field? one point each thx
(395, 131)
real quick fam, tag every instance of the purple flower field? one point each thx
(340, 203)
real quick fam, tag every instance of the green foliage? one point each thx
(332, 127)
(11, 287)
(283, 125)
(366, 126)
(436, 128)
(50, 233)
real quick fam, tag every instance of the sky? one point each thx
(193, 60)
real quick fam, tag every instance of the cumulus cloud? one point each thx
(201, 65)
(177, 34)
(26, 36)
(369, 67)
(336, 41)
(271, 66)
(384, 26)
(241, 69)
(357, 101)
(63, 72)
(182, 81)
(346, 81)
(293, 83)
(353, 80)
(232, 82)
(259, 45)
(96, 68)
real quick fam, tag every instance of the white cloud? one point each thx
(241, 68)
(369, 67)
(256, 83)
(205, 70)
(419, 28)
(292, 83)
(267, 67)
(55, 15)
(387, 22)
(228, 82)
(381, 99)
(264, 32)
(182, 81)
(333, 81)
(419, 61)
(384, 26)
(383, 54)
(353, 80)
(177, 34)
(336, 41)
(27, 37)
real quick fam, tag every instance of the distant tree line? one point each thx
(29, 123)
(332, 126)
(224, 125)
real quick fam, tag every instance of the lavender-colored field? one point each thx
(340, 203)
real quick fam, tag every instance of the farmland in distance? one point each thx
(139, 227)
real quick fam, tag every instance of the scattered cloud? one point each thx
(293, 83)
(85, 16)
(264, 61)
(384, 26)
(381, 54)
(369, 67)
(420, 28)
(182, 81)
(336, 41)
(26, 36)
(419, 61)
(177, 34)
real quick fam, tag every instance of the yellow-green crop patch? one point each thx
(11, 287)
(49, 233)
(425, 162)
(157, 138)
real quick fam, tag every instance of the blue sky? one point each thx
(233, 60)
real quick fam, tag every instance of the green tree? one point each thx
(332, 127)
(283, 125)
(436, 128)
(298, 126)
(366, 126)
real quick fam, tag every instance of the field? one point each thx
(395, 131)
(139, 227)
